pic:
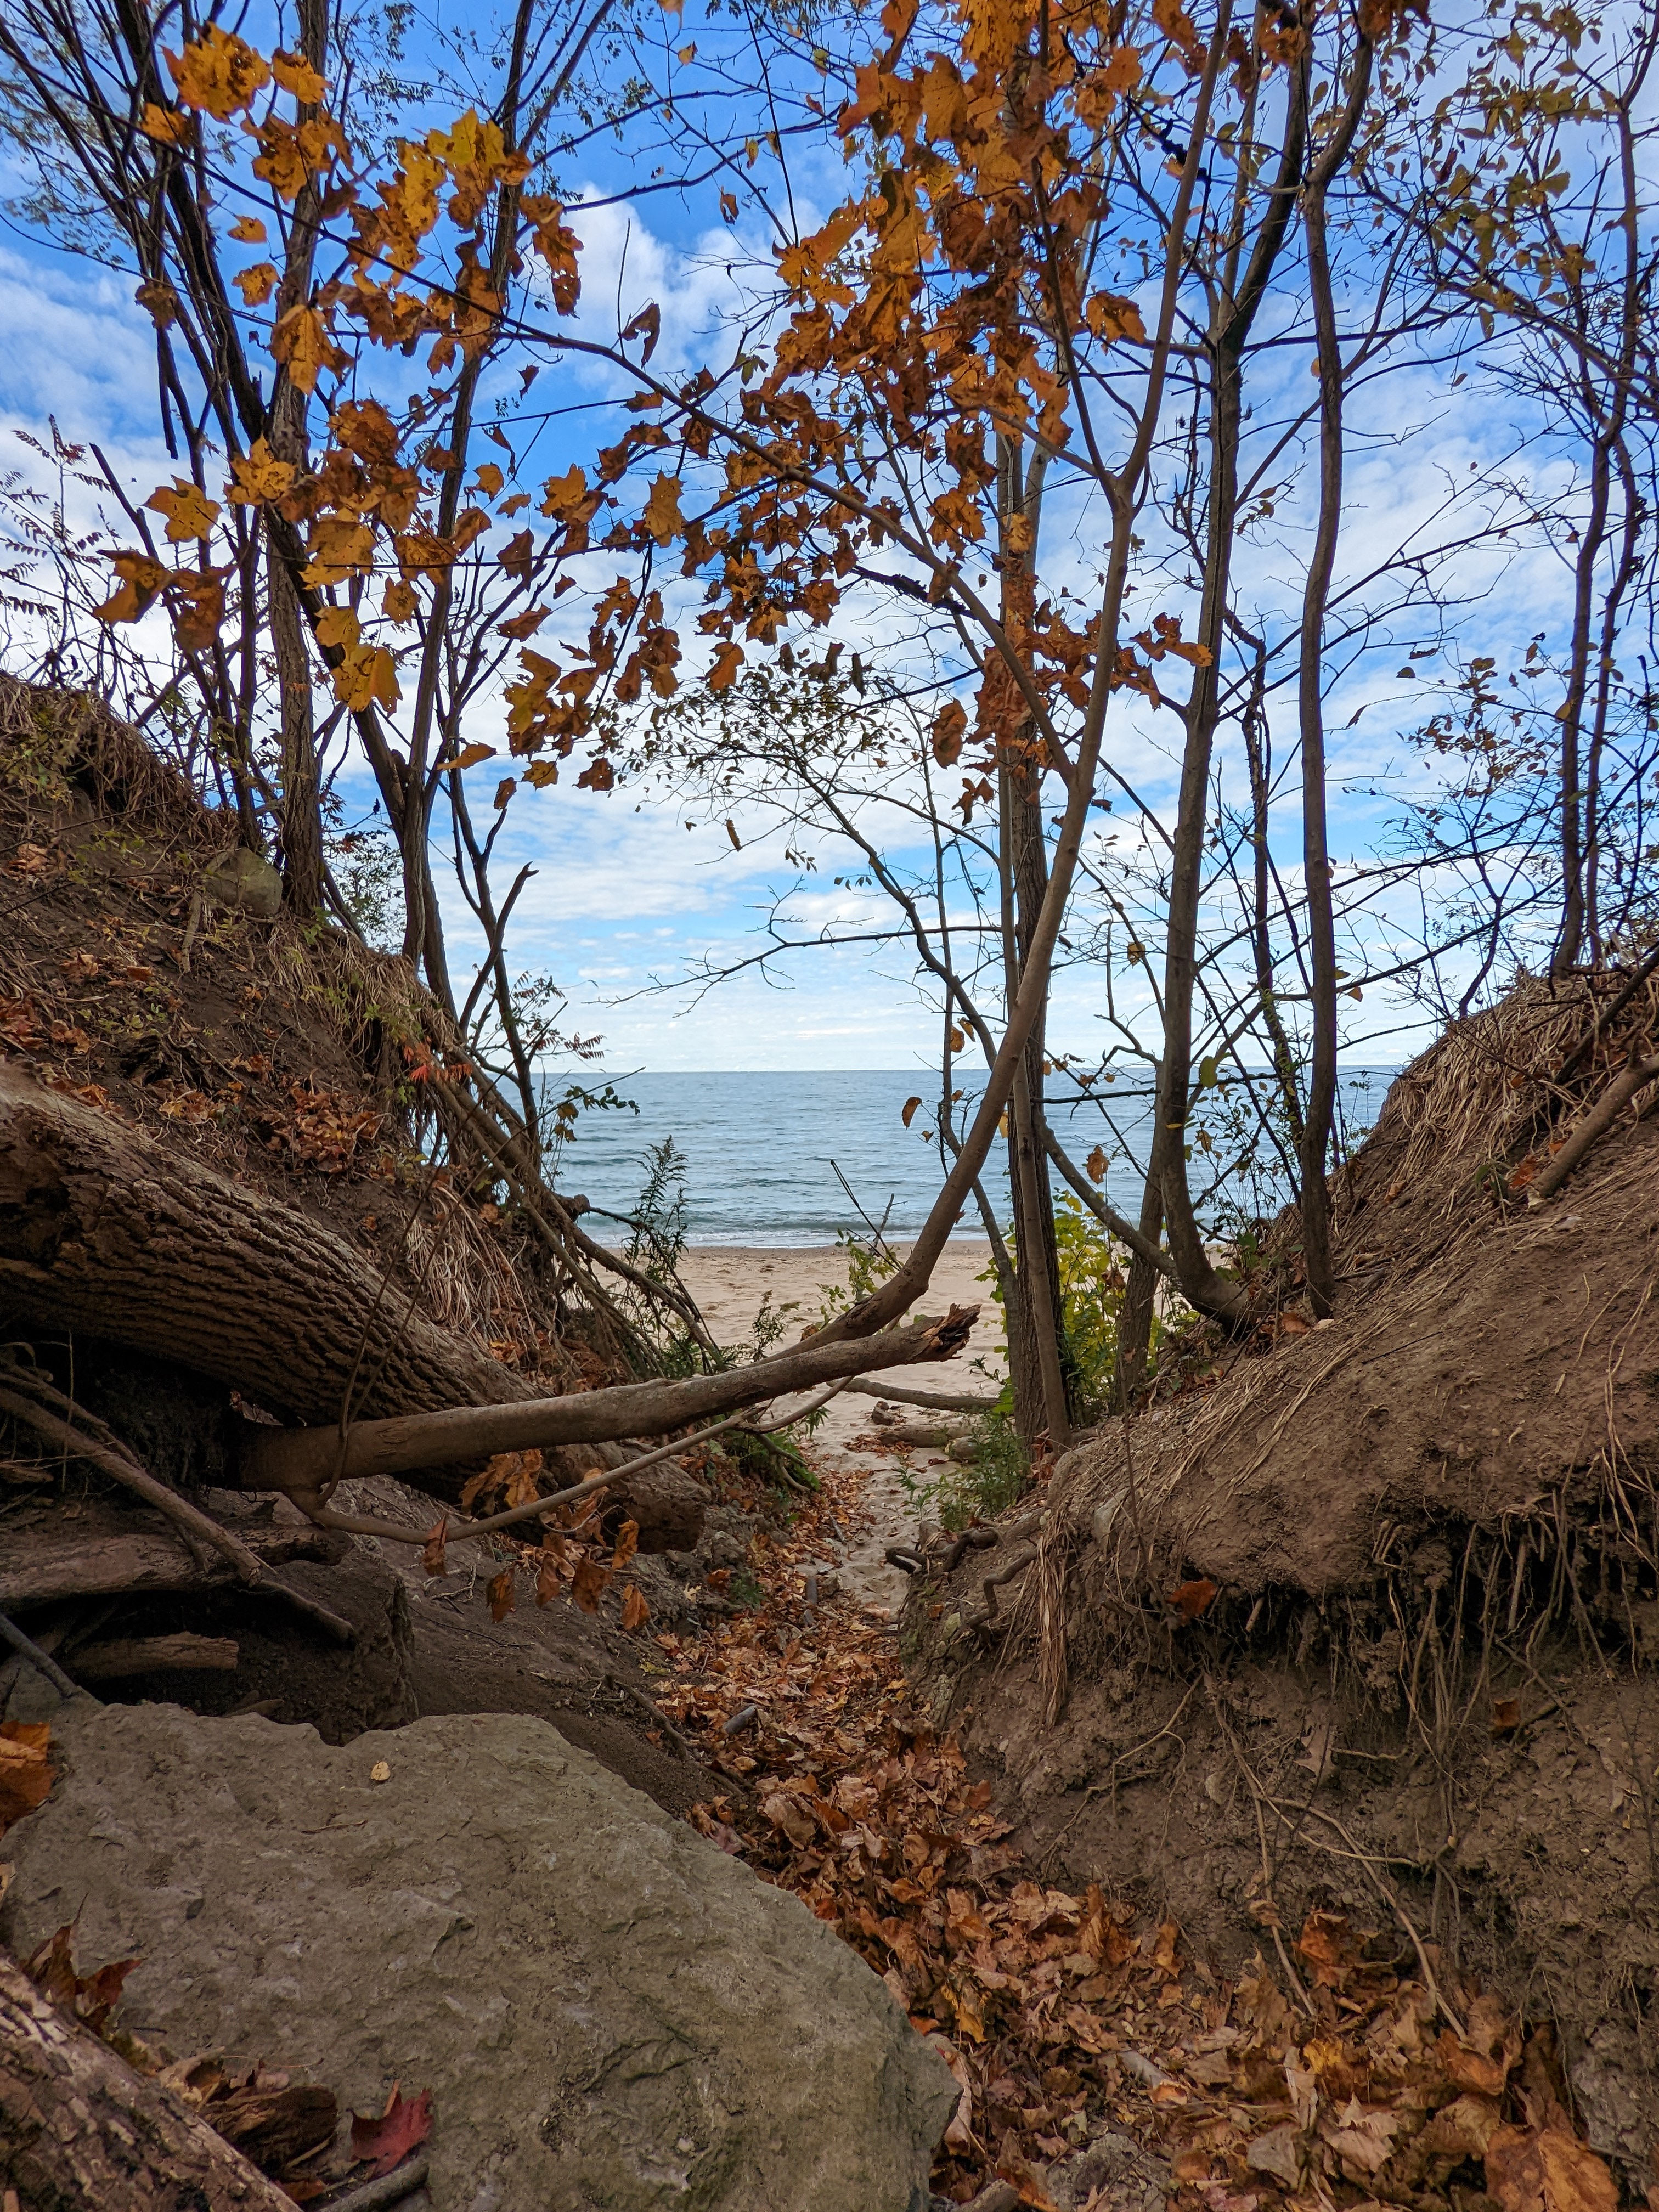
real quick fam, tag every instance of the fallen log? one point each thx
(78, 2125)
(110, 1234)
(45, 1564)
(302, 1460)
(146, 1655)
(934, 1401)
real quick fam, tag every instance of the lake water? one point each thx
(762, 1150)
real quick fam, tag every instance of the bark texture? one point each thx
(79, 2127)
(108, 1234)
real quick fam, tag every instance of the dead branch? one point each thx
(302, 1461)
(1635, 1075)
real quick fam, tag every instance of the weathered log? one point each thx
(79, 2126)
(145, 1655)
(301, 1459)
(68, 1559)
(110, 1234)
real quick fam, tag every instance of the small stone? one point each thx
(380, 1772)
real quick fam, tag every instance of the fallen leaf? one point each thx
(1190, 1599)
(500, 1594)
(1276, 2153)
(788, 1818)
(1505, 1716)
(380, 1772)
(635, 1612)
(25, 1777)
(627, 1542)
(388, 2138)
(432, 1557)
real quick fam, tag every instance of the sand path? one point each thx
(731, 1282)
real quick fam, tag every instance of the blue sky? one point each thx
(625, 894)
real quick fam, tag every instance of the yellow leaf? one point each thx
(218, 72)
(164, 125)
(662, 514)
(190, 513)
(302, 342)
(1095, 1165)
(142, 580)
(259, 476)
(295, 75)
(490, 479)
(338, 626)
(688, 54)
(728, 661)
(366, 676)
(248, 230)
(256, 284)
(471, 756)
(399, 603)
(540, 773)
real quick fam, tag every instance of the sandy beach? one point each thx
(730, 1283)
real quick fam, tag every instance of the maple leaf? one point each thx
(166, 126)
(25, 1776)
(386, 2138)
(258, 477)
(219, 73)
(190, 513)
(295, 75)
(142, 581)
(257, 283)
(662, 511)
(1190, 1599)
(248, 230)
(301, 341)
(723, 672)
(562, 495)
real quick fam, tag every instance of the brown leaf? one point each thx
(788, 1816)
(432, 1559)
(627, 1542)
(500, 1595)
(388, 2138)
(1505, 1716)
(587, 1585)
(25, 1777)
(90, 1997)
(635, 1612)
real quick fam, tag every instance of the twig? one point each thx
(390, 2189)
(127, 1471)
(935, 1401)
(42, 1661)
(1609, 1015)
(1256, 1802)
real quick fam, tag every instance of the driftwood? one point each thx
(144, 1655)
(934, 1401)
(302, 1461)
(79, 2126)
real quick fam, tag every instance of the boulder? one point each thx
(607, 2010)
(245, 883)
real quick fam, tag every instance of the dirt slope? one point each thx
(1369, 1620)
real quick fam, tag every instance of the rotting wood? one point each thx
(144, 1655)
(78, 2125)
(302, 1460)
(47, 1565)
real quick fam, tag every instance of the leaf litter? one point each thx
(1359, 2075)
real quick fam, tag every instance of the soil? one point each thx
(1365, 1616)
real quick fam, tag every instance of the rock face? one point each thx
(607, 2010)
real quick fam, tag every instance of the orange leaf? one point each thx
(1190, 1599)
(723, 672)
(1505, 1716)
(635, 1612)
(909, 1112)
(432, 1559)
(472, 755)
(500, 1595)
(25, 1777)
(627, 1542)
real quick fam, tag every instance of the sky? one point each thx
(631, 896)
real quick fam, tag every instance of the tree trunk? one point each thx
(79, 2127)
(106, 1232)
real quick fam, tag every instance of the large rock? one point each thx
(608, 2011)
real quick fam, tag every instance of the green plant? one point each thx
(979, 1488)
(870, 1261)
